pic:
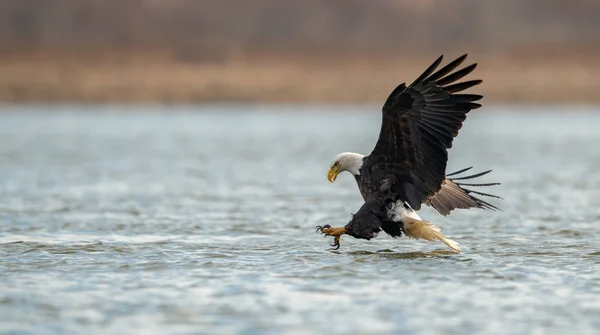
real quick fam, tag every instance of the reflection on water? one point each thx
(171, 221)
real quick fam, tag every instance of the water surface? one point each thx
(200, 220)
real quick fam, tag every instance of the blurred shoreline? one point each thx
(295, 51)
(551, 75)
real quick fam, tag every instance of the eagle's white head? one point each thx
(346, 161)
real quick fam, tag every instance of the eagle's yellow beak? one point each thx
(332, 174)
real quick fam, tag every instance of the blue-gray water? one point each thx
(201, 220)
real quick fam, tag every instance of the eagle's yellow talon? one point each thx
(335, 232)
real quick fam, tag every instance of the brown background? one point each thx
(292, 51)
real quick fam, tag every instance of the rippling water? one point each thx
(201, 220)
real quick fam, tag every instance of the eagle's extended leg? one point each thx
(327, 230)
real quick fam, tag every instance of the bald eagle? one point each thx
(407, 167)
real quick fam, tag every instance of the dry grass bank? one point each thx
(160, 78)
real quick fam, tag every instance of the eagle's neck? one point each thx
(351, 162)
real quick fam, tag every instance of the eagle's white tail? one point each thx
(428, 231)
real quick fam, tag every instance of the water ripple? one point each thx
(186, 222)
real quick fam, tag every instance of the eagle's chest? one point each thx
(367, 183)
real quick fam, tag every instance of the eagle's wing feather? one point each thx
(453, 195)
(418, 125)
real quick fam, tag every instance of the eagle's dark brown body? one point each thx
(374, 214)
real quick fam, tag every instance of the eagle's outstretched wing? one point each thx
(454, 195)
(419, 123)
